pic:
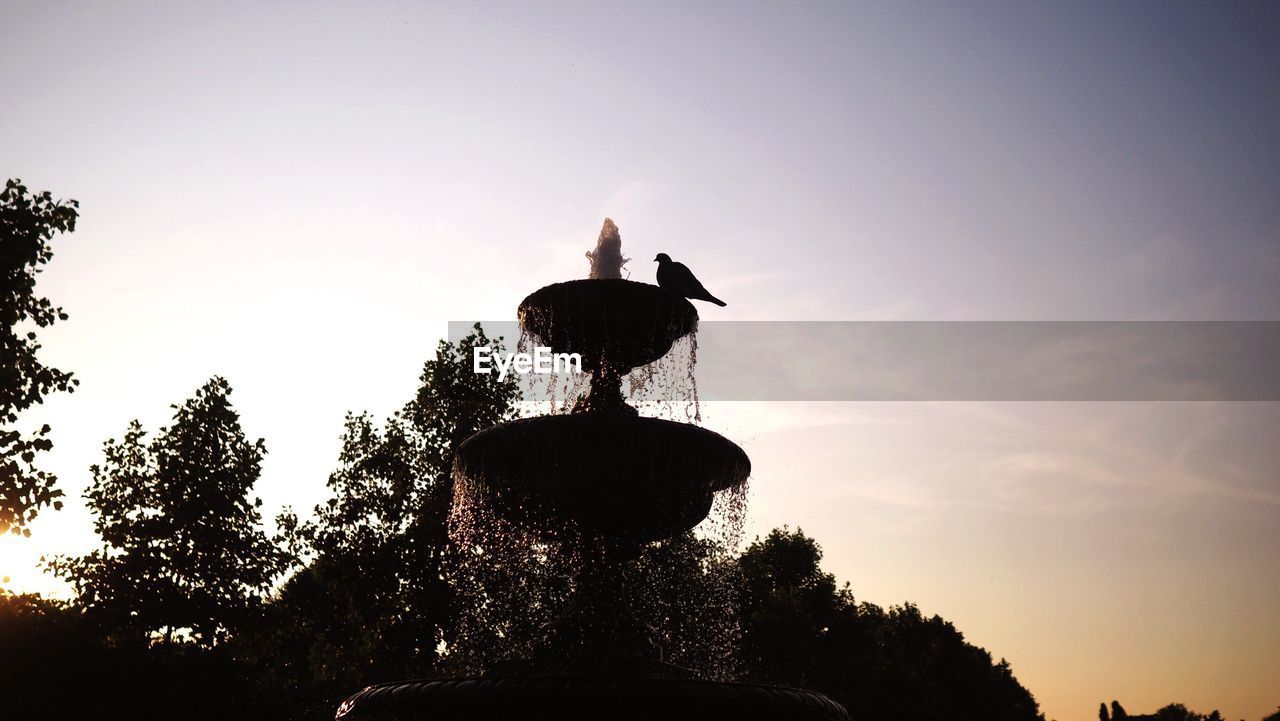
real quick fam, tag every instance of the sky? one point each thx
(299, 197)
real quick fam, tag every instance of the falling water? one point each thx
(509, 581)
(687, 588)
(512, 581)
(668, 388)
(549, 393)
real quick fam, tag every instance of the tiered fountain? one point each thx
(610, 482)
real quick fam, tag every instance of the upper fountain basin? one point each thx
(608, 474)
(614, 322)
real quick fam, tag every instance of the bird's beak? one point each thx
(655, 259)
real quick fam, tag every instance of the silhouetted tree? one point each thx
(1171, 712)
(788, 606)
(799, 628)
(1176, 712)
(1179, 712)
(27, 223)
(183, 551)
(371, 601)
(372, 596)
(57, 666)
(36, 635)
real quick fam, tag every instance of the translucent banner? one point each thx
(969, 360)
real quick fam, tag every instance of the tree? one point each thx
(1170, 712)
(143, 682)
(1179, 712)
(371, 599)
(183, 552)
(27, 223)
(788, 605)
(1176, 712)
(799, 628)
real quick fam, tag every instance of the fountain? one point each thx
(600, 482)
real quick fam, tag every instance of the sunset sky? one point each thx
(300, 197)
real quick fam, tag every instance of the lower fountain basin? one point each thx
(563, 698)
(611, 474)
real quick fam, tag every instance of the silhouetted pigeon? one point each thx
(676, 277)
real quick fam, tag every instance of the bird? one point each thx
(678, 278)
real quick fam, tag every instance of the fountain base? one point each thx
(577, 698)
